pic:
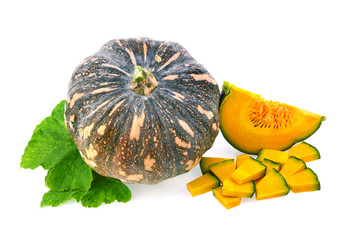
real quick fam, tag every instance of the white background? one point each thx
(297, 52)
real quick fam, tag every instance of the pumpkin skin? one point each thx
(142, 138)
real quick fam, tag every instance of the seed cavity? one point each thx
(269, 114)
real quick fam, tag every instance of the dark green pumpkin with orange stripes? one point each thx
(141, 110)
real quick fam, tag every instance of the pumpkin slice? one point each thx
(273, 155)
(249, 122)
(272, 185)
(304, 181)
(250, 170)
(233, 189)
(240, 159)
(292, 166)
(270, 165)
(207, 161)
(305, 151)
(227, 202)
(223, 170)
(202, 184)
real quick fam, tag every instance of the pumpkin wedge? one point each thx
(273, 155)
(202, 184)
(305, 151)
(249, 122)
(233, 189)
(223, 170)
(272, 185)
(207, 161)
(304, 181)
(292, 166)
(270, 165)
(227, 202)
(240, 159)
(250, 170)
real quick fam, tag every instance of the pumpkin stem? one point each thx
(226, 87)
(143, 82)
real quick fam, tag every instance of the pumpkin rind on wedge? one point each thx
(141, 110)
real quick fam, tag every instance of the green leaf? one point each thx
(50, 142)
(69, 174)
(105, 190)
(69, 177)
(52, 198)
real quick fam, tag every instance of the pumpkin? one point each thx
(249, 170)
(202, 184)
(273, 155)
(223, 170)
(240, 159)
(270, 165)
(304, 181)
(250, 123)
(233, 189)
(142, 110)
(272, 185)
(305, 152)
(292, 166)
(207, 161)
(227, 202)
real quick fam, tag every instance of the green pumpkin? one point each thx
(141, 110)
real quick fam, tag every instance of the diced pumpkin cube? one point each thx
(249, 171)
(272, 185)
(240, 159)
(227, 202)
(304, 181)
(270, 165)
(273, 155)
(305, 151)
(207, 161)
(202, 184)
(223, 170)
(292, 166)
(233, 189)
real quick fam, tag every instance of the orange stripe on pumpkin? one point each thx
(173, 58)
(115, 67)
(132, 57)
(138, 122)
(203, 77)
